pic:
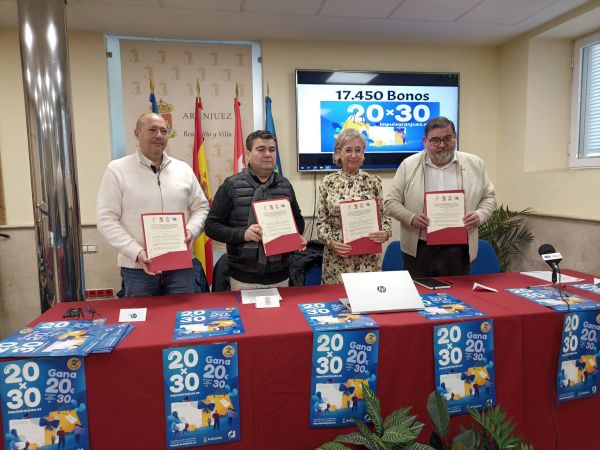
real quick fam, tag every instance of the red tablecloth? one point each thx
(125, 392)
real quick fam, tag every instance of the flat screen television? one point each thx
(389, 108)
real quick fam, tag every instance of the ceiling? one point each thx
(472, 22)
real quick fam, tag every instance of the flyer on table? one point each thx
(588, 287)
(578, 375)
(44, 404)
(112, 335)
(202, 405)
(342, 362)
(332, 316)
(444, 306)
(551, 297)
(64, 338)
(464, 365)
(203, 323)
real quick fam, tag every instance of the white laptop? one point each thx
(370, 292)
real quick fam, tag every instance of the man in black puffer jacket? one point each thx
(231, 219)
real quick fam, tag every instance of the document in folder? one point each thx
(279, 230)
(164, 237)
(359, 218)
(445, 210)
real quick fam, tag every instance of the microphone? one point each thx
(156, 170)
(551, 257)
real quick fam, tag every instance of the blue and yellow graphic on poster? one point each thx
(464, 365)
(111, 336)
(578, 362)
(203, 323)
(342, 362)
(387, 125)
(44, 404)
(332, 316)
(551, 297)
(442, 306)
(65, 338)
(588, 287)
(201, 395)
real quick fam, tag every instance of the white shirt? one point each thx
(441, 178)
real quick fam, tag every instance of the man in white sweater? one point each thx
(439, 168)
(148, 181)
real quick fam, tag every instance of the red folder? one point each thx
(364, 245)
(173, 260)
(282, 244)
(450, 235)
(447, 236)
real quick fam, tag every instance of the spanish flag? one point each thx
(203, 245)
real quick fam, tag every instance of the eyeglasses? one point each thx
(438, 141)
(88, 312)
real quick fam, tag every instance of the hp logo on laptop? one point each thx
(381, 289)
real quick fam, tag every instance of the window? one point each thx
(585, 142)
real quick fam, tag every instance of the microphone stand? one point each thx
(554, 283)
(555, 271)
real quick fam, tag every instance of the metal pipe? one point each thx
(47, 91)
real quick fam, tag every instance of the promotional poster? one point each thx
(341, 363)
(390, 109)
(44, 404)
(201, 395)
(111, 336)
(588, 287)
(578, 362)
(387, 125)
(442, 306)
(464, 365)
(65, 338)
(203, 323)
(551, 297)
(332, 316)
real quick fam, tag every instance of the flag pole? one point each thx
(203, 245)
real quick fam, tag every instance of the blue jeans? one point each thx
(138, 283)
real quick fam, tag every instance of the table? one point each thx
(125, 392)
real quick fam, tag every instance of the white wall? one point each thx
(534, 120)
(478, 67)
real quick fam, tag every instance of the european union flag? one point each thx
(270, 127)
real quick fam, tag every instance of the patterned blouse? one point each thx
(336, 187)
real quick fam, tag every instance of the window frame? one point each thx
(575, 161)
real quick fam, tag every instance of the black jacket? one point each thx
(228, 220)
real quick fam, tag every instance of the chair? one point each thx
(220, 278)
(486, 260)
(199, 276)
(392, 259)
(313, 275)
